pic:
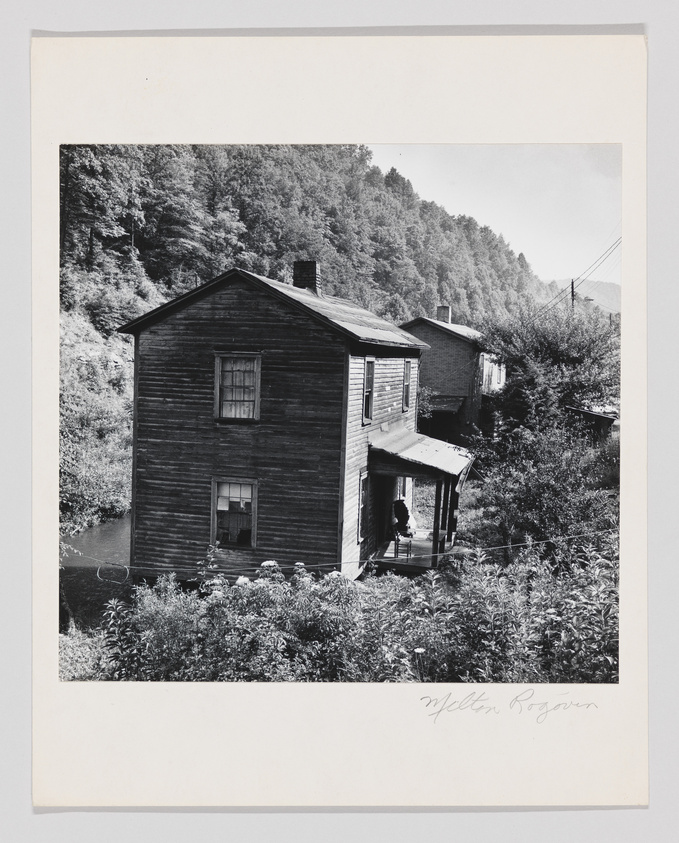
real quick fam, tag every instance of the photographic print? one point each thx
(339, 421)
(316, 427)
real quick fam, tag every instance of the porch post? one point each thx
(444, 506)
(452, 521)
(437, 518)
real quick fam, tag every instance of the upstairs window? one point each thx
(235, 511)
(368, 390)
(406, 384)
(237, 379)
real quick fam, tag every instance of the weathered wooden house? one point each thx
(458, 374)
(278, 423)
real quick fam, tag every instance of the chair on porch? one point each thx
(402, 546)
(401, 529)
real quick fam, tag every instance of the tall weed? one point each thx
(473, 620)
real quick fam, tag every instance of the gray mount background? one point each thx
(659, 19)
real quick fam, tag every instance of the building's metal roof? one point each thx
(421, 450)
(598, 413)
(338, 314)
(462, 331)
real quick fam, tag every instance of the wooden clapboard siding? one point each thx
(387, 408)
(293, 451)
(451, 365)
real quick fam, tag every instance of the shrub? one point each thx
(539, 485)
(474, 620)
(82, 656)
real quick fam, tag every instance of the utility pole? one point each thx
(572, 294)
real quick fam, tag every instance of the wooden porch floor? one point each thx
(419, 558)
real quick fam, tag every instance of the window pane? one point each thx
(234, 513)
(369, 374)
(245, 410)
(238, 387)
(363, 508)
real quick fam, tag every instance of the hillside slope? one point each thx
(603, 294)
(142, 224)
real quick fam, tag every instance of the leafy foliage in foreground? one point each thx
(555, 358)
(542, 485)
(472, 621)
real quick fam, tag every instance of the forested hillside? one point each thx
(142, 224)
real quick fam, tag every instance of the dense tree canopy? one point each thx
(142, 224)
(178, 215)
(555, 358)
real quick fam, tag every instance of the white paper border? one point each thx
(335, 745)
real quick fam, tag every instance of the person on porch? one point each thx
(403, 524)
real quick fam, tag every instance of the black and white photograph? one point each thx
(340, 412)
(339, 421)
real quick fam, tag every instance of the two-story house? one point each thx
(458, 376)
(276, 422)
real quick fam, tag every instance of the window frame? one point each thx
(363, 503)
(249, 481)
(407, 377)
(367, 418)
(220, 356)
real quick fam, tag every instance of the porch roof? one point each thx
(431, 456)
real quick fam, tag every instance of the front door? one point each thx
(385, 490)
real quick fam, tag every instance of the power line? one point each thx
(576, 282)
(516, 544)
(303, 566)
(580, 279)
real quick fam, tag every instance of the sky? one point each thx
(559, 204)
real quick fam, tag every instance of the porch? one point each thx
(409, 555)
(404, 453)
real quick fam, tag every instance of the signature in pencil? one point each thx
(526, 702)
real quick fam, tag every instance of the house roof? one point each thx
(421, 450)
(596, 413)
(338, 314)
(461, 331)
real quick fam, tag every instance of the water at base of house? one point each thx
(91, 572)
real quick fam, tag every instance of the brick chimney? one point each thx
(306, 274)
(443, 313)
